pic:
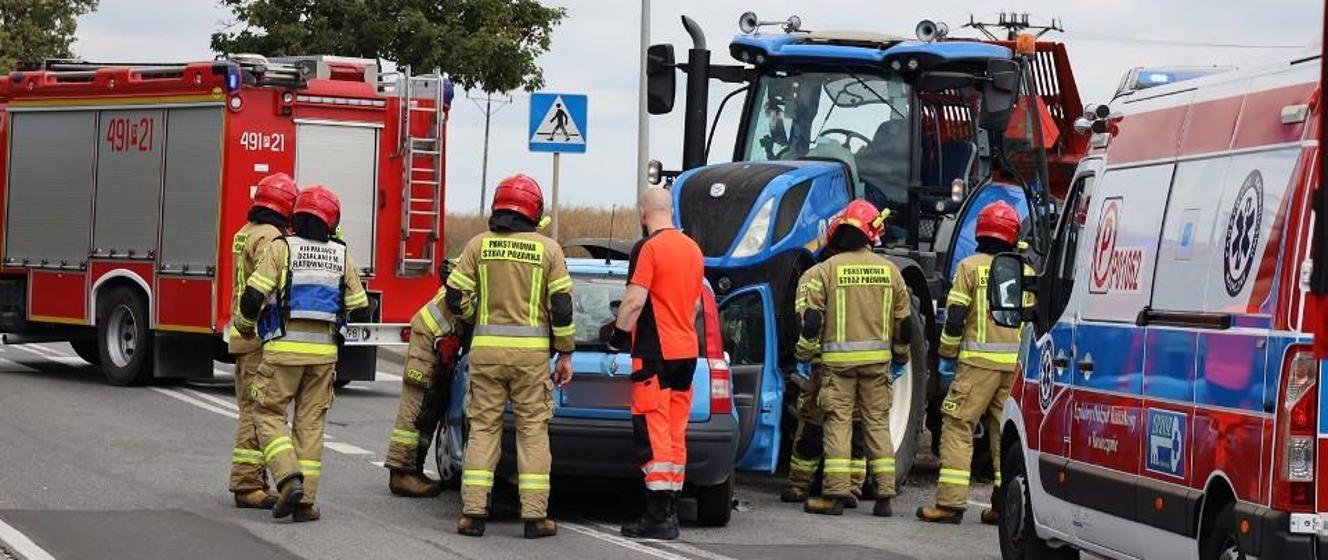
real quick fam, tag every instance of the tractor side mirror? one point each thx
(940, 81)
(1009, 291)
(661, 79)
(998, 94)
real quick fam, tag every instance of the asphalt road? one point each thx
(93, 471)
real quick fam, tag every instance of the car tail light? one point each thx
(1297, 423)
(721, 383)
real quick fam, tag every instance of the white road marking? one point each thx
(382, 464)
(50, 352)
(224, 403)
(346, 448)
(675, 545)
(200, 404)
(21, 544)
(625, 543)
(14, 366)
(385, 376)
(28, 348)
(979, 504)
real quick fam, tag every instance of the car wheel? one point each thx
(86, 348)
(124, 340)
(1018, 534)
(714, 504)
(909, 405)
(1221, 541)
(449, 452)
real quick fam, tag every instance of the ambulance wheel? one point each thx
(1018, 534)
(123, 339)
(714, 504)
(1222, 541)
(87, 350)
(909, 405)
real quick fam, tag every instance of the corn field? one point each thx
(576, 222)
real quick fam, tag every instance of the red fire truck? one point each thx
(122, 184)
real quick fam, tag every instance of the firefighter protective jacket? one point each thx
(982, 343)
(862, 297)
(246, 246)
(507, 282)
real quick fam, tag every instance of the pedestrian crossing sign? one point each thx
(558, 123)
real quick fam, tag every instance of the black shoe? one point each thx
(470, 526)
(659, 521)
(292, 491)
(851, 502)
(540, 528)
(882, 508)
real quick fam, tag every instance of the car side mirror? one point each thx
(1009, 291)
(661, 79)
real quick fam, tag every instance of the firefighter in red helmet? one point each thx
(512, 284)
(977, 362)
(304, 288)
(861, 352)
(269, 218)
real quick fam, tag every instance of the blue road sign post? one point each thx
(557, 126)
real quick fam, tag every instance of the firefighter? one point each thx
(435, 346)
(809, 442)
(854, 319)
(979, 357)
(512, 283)
(269, 218)
(304, 286)
(657, 319)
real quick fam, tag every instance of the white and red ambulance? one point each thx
(1168, 402)
(122, 184)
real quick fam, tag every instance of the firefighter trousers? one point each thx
(424, 393)
(809, 444)
(974, 393)
(530, 390)
(865, 389)
(296, 449)
(247, 467)
(661, 404)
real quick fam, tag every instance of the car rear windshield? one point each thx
(595, 299)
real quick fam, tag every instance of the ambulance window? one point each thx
(1072, 224)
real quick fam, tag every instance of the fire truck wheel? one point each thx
(87, 350)
(909, 405)
(123, 338)
(1018, 534)
(1221, 541)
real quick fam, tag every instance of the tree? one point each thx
(486, 44)
(38, 29)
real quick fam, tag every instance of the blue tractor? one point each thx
(933, 129)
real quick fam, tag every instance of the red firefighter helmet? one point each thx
(1000, 221)
(861, 215)
(521, 194)
(321, 202)
(277, 192)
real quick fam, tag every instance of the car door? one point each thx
(747, 325)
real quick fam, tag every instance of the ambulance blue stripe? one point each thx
(1169, 368)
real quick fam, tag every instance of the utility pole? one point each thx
(643, 115)
(490, 106)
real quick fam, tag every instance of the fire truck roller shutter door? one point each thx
(129, 151)
(189, 204)
(50, 186)
(344, 158)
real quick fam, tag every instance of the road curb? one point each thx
(14, 544)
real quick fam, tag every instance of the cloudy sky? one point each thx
(594, 52)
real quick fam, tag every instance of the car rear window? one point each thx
(595, 299)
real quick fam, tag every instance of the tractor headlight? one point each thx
(753, 241)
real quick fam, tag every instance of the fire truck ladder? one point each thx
(422, 164)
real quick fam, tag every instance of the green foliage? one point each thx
(486, 44)
(38, 29)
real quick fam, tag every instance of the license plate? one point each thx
(1306, 523)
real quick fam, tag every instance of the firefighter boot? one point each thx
(292, 491)
(793, 494)
(882, 508)
(470, 526)
(851, 502)
(306, 512)
(540, 528)
(410, 484)
(940, 515)
(824, 506)
(990, 517)
(255, 499)
(656, 522)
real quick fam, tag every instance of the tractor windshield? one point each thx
(860, 119)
